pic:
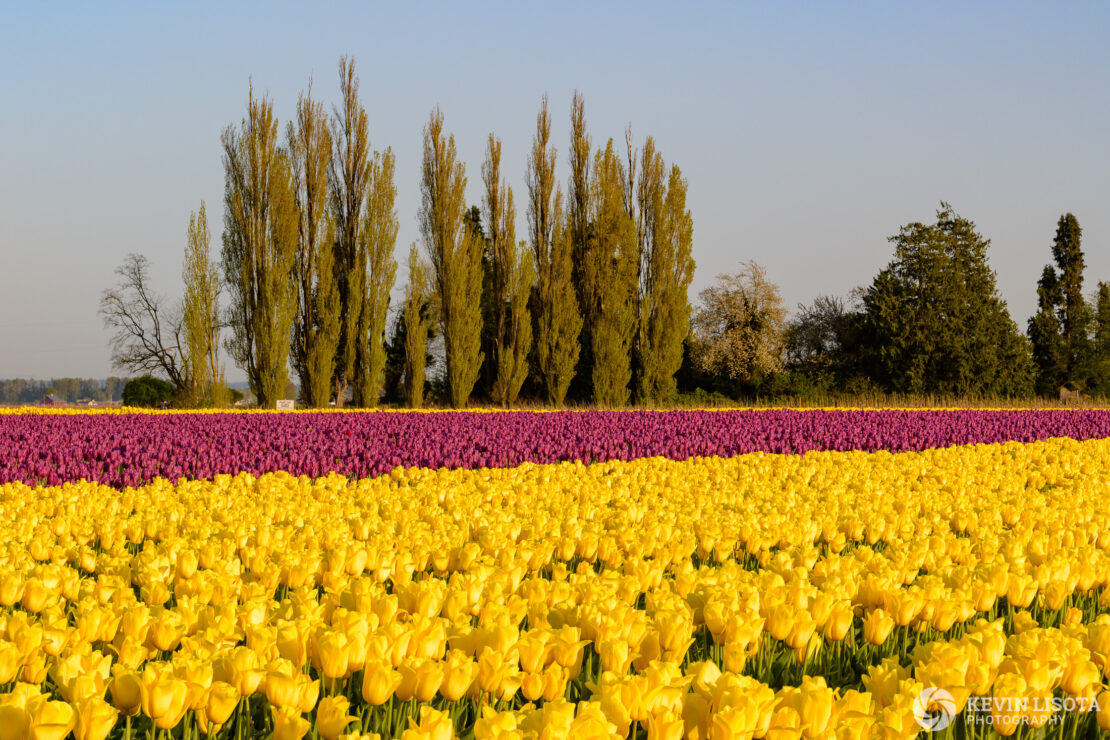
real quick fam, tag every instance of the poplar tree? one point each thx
(455, 255)
(667, 268)
(201, 314)
(259, 245)
(649, 193)
(512, 366)
(349, 176)
(511, 279)
(317, 322)
(415, 326)
(377, 239)
(611, 312)
(558, 322)
(585, 273)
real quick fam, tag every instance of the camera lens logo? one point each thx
(934, 709)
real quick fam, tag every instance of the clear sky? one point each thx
(809, 132)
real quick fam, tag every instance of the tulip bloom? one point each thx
(877, 627)
(332, 717)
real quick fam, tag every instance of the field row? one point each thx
(129, 449)
(807, 594)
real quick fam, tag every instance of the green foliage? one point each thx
(349, 174)
(455, 253)
(1060, 330)
(378, 238)
(147, 392)
(316, 325)
(414, 322)
(584, 272)
(667, 268)
(1100, 349)
(556, 312)
(934, 322)
(614, 261)
(510, 277)
(201, 317)
(259, 246)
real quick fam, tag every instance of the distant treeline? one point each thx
(22, 391)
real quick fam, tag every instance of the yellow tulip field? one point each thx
(962, 590)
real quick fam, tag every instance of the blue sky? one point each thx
(808, 132)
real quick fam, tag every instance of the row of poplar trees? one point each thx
(593, 304)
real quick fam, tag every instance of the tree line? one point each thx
(591, 307)
(21, 391)
(930, 323)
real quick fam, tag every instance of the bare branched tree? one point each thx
(148, 332)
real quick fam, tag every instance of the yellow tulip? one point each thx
(332, 717)
(243, 669)
(166, 630)
(14, 722)
(95, 719)
(35, 596)
(1006, 709)
(126, 690)
(695, 717)
(222, 699)
(331, 653)
(735, 722)
(877, 626)
(592, 724)
(432, 725)
(379, 682)
(289, 724)
(534, 647)
(839, 623)
(51, 720)
(459, 672)
(1103, 716)
(164, 697)
(420, 679)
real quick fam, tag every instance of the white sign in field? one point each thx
(285, 405)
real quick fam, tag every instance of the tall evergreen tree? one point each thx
(455, 255)
(1049, 352)
(201, 314)
(1075, 315)
(259, 246)
(935, 321)
(349, 175)
(377, 241)
(1100, 375)
(558, 322)
(1060, 331)
(316, 325)
(611, 310)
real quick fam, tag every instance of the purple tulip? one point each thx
(127, 449)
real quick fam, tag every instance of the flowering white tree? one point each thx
(740, 326)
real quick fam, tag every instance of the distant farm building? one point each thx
(51, 400)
